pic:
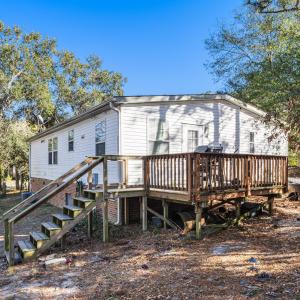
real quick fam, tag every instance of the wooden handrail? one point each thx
(25, 212)
(40, 193)
(195, 173)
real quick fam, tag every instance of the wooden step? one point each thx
(26, 250)
(90, 194)
(82, 202)
(72, 210)
(38, 239)
(50, 229)
(61, 219)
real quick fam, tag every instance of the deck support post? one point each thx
(105, 202)
(126, 211)
(144, 213)
(6, 235)
(90, 224)
(166, 212)
(198, 212)
(90, 179)
(271, 204)
(11, 244)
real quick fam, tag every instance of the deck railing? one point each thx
(197, 173)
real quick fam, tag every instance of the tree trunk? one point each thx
(22, 182)
(1, 179)
(17, 180)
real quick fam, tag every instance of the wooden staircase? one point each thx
(53, 230)
(60, 223)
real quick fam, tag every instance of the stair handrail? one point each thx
(36, 204)
(33, 197)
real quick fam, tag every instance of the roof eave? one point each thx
(86, 115)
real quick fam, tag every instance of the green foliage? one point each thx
(274, 6)
(14, 147)
(258, 59)
(294, 159)
(38, 79)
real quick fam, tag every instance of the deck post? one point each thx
(271, 204)
(126, 211)
(141, 210)
(248, 175)
(105, 202)
(286, 183)
(198, 212)
(166, 212)
(11, 244)
(6, 235)
(144, 212)
(90, 179)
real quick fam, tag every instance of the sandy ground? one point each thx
(258, 260)
(30, 223)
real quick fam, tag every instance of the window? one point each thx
(100, 131)
(193, 140)
(52, 151)
(251, 143)
(158, 138)
(71, 140)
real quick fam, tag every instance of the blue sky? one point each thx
(157, 44)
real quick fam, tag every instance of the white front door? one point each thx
(192, 137)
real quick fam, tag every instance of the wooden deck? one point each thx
(211, 176)
(186, 178)
(195, 177)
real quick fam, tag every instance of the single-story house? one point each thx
(147, 125)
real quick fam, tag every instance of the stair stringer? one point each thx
(65, 229)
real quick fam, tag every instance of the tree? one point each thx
(258, 60)
(274, 6)
(38, 79)
(14, 149)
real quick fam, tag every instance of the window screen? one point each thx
(158, 136)
(100, 137)
(71, 140)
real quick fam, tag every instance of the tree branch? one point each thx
(263, 7)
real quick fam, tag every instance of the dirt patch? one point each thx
(259, 259)
(30, 223)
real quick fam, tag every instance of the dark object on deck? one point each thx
(25, 195)
(209, 149)
(156, 222)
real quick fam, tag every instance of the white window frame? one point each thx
(193, 139)
(100, 138)
(71, 140)
(153, 127)
(52, 151)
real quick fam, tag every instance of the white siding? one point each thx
(227, 125)
(84, 145)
